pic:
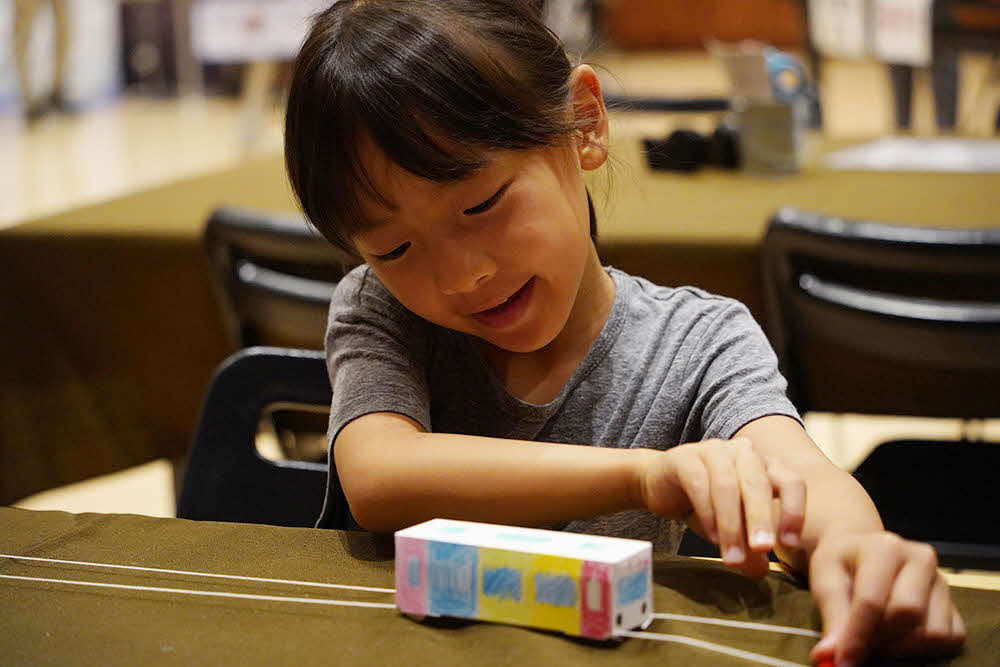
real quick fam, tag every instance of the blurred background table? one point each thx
(114, 329)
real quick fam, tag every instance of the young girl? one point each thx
(485, 366)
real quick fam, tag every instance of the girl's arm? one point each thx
(836, 501)
(394, 475)
(873, 588)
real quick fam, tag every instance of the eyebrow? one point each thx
(368, 224)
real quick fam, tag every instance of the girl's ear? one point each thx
(590, 117)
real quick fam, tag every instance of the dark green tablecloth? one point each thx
(55, 623)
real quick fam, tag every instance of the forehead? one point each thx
(386, 186)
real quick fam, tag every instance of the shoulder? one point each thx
(676, 306)
(360, 293)
(362, 307)
(360, 287)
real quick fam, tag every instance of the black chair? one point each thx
(274, 276)
(226, 479)
(882, 319)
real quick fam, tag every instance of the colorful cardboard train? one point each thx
(585, 585)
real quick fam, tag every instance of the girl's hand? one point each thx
(877, 590)
(725, 490)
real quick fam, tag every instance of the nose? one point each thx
(461, 267)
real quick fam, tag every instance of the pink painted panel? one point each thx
(411, 575)
(595, 600)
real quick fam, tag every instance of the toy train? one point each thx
(584, 585)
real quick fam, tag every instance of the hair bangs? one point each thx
(436, 87)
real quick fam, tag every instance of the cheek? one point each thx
(415, 289)
(538, 230)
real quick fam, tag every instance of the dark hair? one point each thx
(435, 84)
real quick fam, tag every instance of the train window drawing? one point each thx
(584, 585)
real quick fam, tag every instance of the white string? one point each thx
(677, 617)
(718, 648)
(184, 591)
(740, 624)
(203, 574)
(678, 639)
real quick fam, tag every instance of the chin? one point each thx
(522, 344)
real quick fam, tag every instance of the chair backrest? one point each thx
(883, 319)
(274, 276)
(226, 479)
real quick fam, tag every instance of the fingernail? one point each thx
(733, 555)
(763, 537)
(790, 538)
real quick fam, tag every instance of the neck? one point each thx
(589, 314)
(590, 311)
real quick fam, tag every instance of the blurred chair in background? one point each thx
(882, 319)
(226, 479)
(274, 276)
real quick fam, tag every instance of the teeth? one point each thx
(502, 303)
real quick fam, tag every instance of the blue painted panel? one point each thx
(502, 582)
(632, 588)
(555, 589)
(451, 579)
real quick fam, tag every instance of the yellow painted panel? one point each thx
(554, 586)
(504, 581)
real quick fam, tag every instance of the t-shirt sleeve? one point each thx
(376, 353)
(735, 375)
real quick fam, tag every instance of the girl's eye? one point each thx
(395, 253)
(488, 204)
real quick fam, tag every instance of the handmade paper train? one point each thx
(585, 585)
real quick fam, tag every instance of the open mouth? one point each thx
(509, 311)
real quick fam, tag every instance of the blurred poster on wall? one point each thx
(239, 31)
(839, 28)
(148, 53)
(902, 31)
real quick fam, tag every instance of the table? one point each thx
(66, 623)
(111, 330)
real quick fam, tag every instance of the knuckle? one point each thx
(726, 488)
(888, 542)
(696, 488)
(742, 442)
(925, 554)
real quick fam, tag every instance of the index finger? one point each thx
(878, 564)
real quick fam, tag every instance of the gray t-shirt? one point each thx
(670, 366)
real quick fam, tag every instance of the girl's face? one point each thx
(505, 255)
(500, 256)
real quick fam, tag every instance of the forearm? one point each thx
(419, 476)
(835, 502)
